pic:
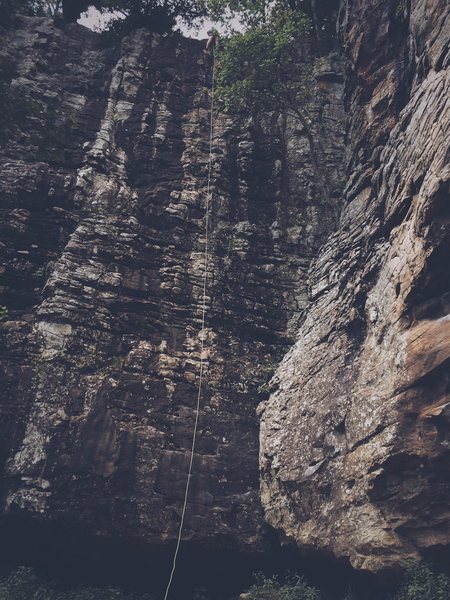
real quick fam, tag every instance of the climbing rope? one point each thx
(202, 336)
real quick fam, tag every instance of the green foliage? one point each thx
(268, 68)
(38, 273)
(157, 15)
(249, 13)
(72, 9)
(271, 588)
(44, 8)
(259, 379)
(39, 8)
(401, 10)
(421, 583)
(233, 244)
(9, 8)
(253, 13)
(261, 69)
(4, 313)
(24, 584)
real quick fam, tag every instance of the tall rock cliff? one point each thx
(355, 446)
(102, 220)
(103, 189)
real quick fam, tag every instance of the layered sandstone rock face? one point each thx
(103, 184)
(355, 445)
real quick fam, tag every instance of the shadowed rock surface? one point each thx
(355, 446)
(103, 187)
(102, 200)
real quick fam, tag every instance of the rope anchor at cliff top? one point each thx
(211, 44)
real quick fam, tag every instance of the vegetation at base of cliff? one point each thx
(24, 584)
(293, 588)
(419, 583)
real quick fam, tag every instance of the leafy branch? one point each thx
(266, 69)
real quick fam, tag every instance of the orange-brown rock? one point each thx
(355, 444)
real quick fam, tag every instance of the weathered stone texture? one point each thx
(355, 447)
(102, 232)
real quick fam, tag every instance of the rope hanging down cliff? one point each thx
(202, 334)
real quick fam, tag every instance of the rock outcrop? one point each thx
(103, 185)
(355, 446)
(102, 216)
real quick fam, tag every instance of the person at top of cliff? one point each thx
(213, 39)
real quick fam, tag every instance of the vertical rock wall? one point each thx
(355, 448)
(102, 198)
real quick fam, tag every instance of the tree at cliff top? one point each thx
(157, 15)
(262, 68)
(267, 68)
(321, 13)
(38, 8)
(9, 8)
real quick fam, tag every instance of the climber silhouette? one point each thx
(213, 39)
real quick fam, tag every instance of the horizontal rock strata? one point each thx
(103, 189)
